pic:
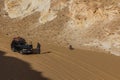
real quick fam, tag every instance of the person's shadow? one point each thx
(14, 69)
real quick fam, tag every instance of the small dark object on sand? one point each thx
(70, 47)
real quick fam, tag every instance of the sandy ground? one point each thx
(54, 62)
(57, 63)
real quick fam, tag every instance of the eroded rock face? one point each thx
(93, 23)
(23, 8)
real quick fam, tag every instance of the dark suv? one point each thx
(19, 45)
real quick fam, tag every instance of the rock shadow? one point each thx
(14, 69)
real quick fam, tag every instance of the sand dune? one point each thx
(84, 24)
(57, 63)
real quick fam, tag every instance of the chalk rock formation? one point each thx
(94, 23)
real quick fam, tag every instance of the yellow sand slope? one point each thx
(57, 63)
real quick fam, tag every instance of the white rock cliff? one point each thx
(94, 23)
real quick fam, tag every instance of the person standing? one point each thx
(38, 48)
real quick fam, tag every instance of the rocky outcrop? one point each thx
(23, 8)
(91, 23)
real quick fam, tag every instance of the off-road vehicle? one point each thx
(19, 44)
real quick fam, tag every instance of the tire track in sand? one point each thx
(93, 70)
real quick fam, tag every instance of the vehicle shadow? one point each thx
(46, 52)
(14, 69)
(41, 52)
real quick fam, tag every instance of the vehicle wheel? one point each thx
(13, 49)
(21, 52)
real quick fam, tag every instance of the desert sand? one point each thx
(92, 27)
(57, 63)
